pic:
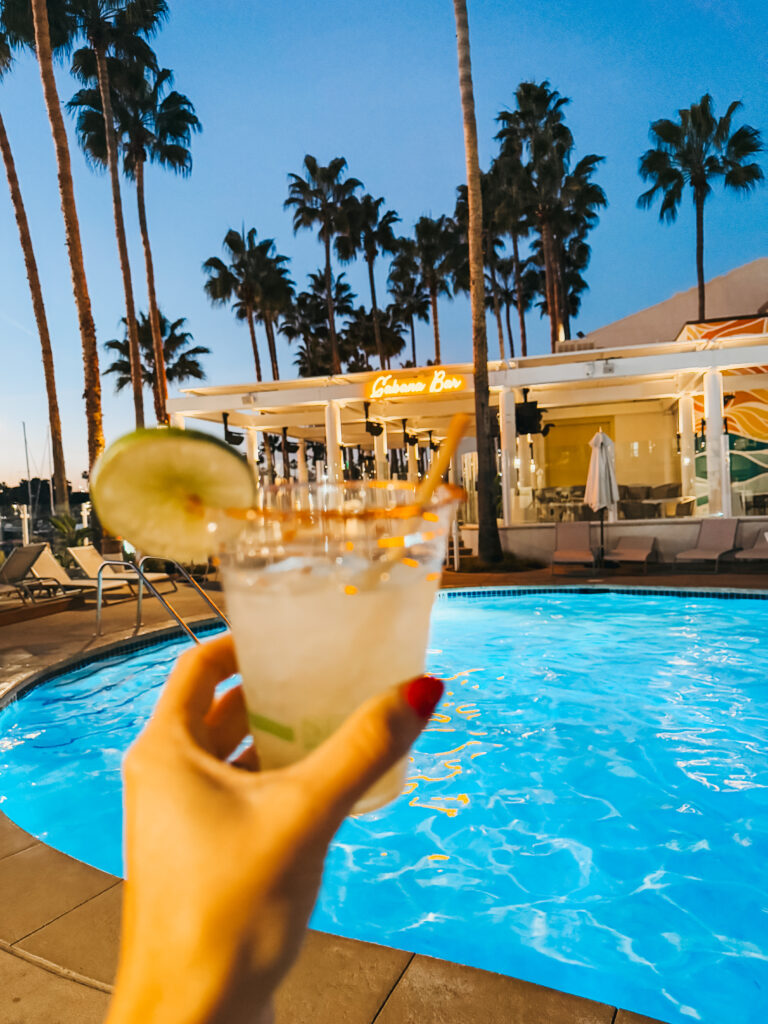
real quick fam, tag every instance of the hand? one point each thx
(224, 863)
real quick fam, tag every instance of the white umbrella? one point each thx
(602, 491)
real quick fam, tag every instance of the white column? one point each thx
(302, 473)
(524, 457)
(24, 515)
(178, 420)
(508, 443)
(686, 428)
(454, 477)
(380, 454)
(333, 441)
(413, 462)
(252, 448)
(718, 462)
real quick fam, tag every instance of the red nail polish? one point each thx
(423, 694)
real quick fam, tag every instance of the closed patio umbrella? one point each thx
(602, 491)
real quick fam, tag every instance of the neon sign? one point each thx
(436, 382)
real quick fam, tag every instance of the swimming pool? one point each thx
(587, 809)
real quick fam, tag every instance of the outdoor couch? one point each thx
(717, 537)
(572, 545)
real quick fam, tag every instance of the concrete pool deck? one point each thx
(60, 918)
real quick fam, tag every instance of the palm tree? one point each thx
(491, 241)
(61, 491)
(274, 294)
(117, 27)
(360, 336)
(514, 212)
(365, 229)
(237, 282)
(180, 356)
(435, 247)
(152, 125)
(306, 321)
(407, 290)
(696, 150)
(489, 544)
(513, 292)
(21, 31)
(317, 200)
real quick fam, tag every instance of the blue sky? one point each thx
(376, 82)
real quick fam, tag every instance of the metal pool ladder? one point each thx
(144, 582)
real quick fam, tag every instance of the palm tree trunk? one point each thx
(497, 310)
(375, 311)
(435, 324)
(122, 245)
(61, 494)
(72, 233)
(160, 388)
(509, 331)
(519, 290)
(562, 298)
(489, 545)
(335, 361)
(270, 332)
(549, 283)
(252, 329)
(699, 201)
(413, 340)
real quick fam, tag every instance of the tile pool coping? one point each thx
(368, 982)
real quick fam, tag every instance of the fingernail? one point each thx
(422, 694)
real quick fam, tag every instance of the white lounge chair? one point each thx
(716, 538)
(90, 561)
(49, 568)
(632, 548)
(572, 545)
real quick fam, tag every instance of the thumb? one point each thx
(370, 742)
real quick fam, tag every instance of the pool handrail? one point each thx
(191, 581)
(144, 582)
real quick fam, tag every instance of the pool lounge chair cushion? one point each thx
(632, 548)
(572, 544)
(758, 552)
(716, 538)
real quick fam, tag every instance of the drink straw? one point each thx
(456, 429)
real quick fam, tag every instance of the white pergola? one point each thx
(334, 410)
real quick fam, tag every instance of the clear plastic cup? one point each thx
(329, 591)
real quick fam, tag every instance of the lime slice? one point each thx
(164, 491)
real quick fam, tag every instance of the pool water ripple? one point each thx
(587, 809)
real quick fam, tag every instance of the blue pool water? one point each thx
(587, 809)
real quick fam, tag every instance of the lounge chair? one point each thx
(716, 538)
(90, 561)
(759, 550)
(16, 569)
(49, 568)
(572, 545)
(632, 548)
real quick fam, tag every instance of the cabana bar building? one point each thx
(689, 420)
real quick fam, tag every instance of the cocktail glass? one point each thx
(329, 591)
